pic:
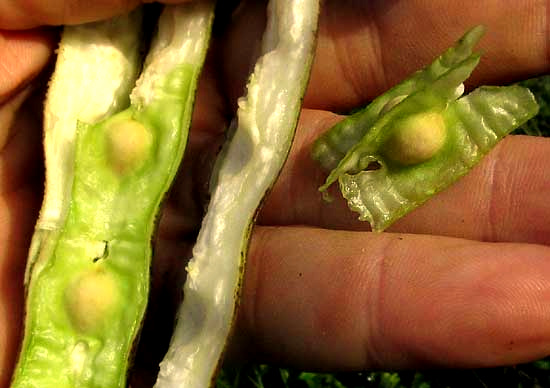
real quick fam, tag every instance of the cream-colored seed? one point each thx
(417, 138)
(90, 299)
(128, 143)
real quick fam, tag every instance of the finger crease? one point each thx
(375, 302)
(493, 208)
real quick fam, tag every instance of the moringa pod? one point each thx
(111, 156)
(246, 168)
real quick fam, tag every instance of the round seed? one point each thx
(416, 139)
(90, 298)
(128, 144)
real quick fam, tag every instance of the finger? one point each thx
(501, 199)
(24, 55)
(353, 300)
(32, 13)
(365, 47)
(383, 42)
(20, 154)
(18, 211)
(16, 14)
(20, 194)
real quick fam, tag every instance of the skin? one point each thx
(463, 281)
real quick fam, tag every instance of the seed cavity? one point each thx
(128, 145)
(416, 139)
(90, 299)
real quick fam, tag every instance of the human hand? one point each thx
(459, 282)
(319, 298)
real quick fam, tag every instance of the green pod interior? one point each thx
(88, 295)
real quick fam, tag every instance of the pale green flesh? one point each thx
(249, 165)
(50, 359)
(123, 206)
(381, 179)
(108, 230)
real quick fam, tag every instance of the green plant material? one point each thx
(422, 143)
(263, 375)
(245, 171)
(89, 282)
(314, 380)
(333, 145)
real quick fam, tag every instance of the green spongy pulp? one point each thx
(106, 238)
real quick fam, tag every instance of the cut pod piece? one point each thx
(333, 145)
(247, 168)
(473, 125)
(87, 298)
(424, 142)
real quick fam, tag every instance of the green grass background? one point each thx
(532, 375)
